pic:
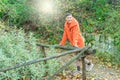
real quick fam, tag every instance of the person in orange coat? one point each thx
(73, 34)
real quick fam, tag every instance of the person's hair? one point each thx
(68, 14)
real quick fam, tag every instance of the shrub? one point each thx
(14, 50)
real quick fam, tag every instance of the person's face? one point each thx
(69, 18)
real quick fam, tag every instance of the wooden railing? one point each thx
(82, 52)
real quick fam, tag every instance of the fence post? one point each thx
(83, 68)
(45, 61)
(68, 63)
(44, 54)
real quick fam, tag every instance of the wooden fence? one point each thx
(71, 50)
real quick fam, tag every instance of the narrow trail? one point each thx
(99, 71)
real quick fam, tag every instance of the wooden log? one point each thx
(39, 60)
(56, 46)
(45, 61)
(90, 51)
(44, 54)
(68, 63)
(87, 52)
(83, 68)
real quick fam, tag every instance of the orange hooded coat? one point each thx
(73, 34)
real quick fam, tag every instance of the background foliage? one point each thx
(94, 16)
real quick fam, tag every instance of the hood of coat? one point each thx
(71, 24)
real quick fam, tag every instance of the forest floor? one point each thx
(99, 71)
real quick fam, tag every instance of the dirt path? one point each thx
(99, 72)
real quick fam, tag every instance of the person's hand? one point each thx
(60, 44)
(76, 46)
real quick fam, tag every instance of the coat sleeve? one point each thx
(64, 38)
(75, 35)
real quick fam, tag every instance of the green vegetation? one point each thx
(14, 50)
(95, 16)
